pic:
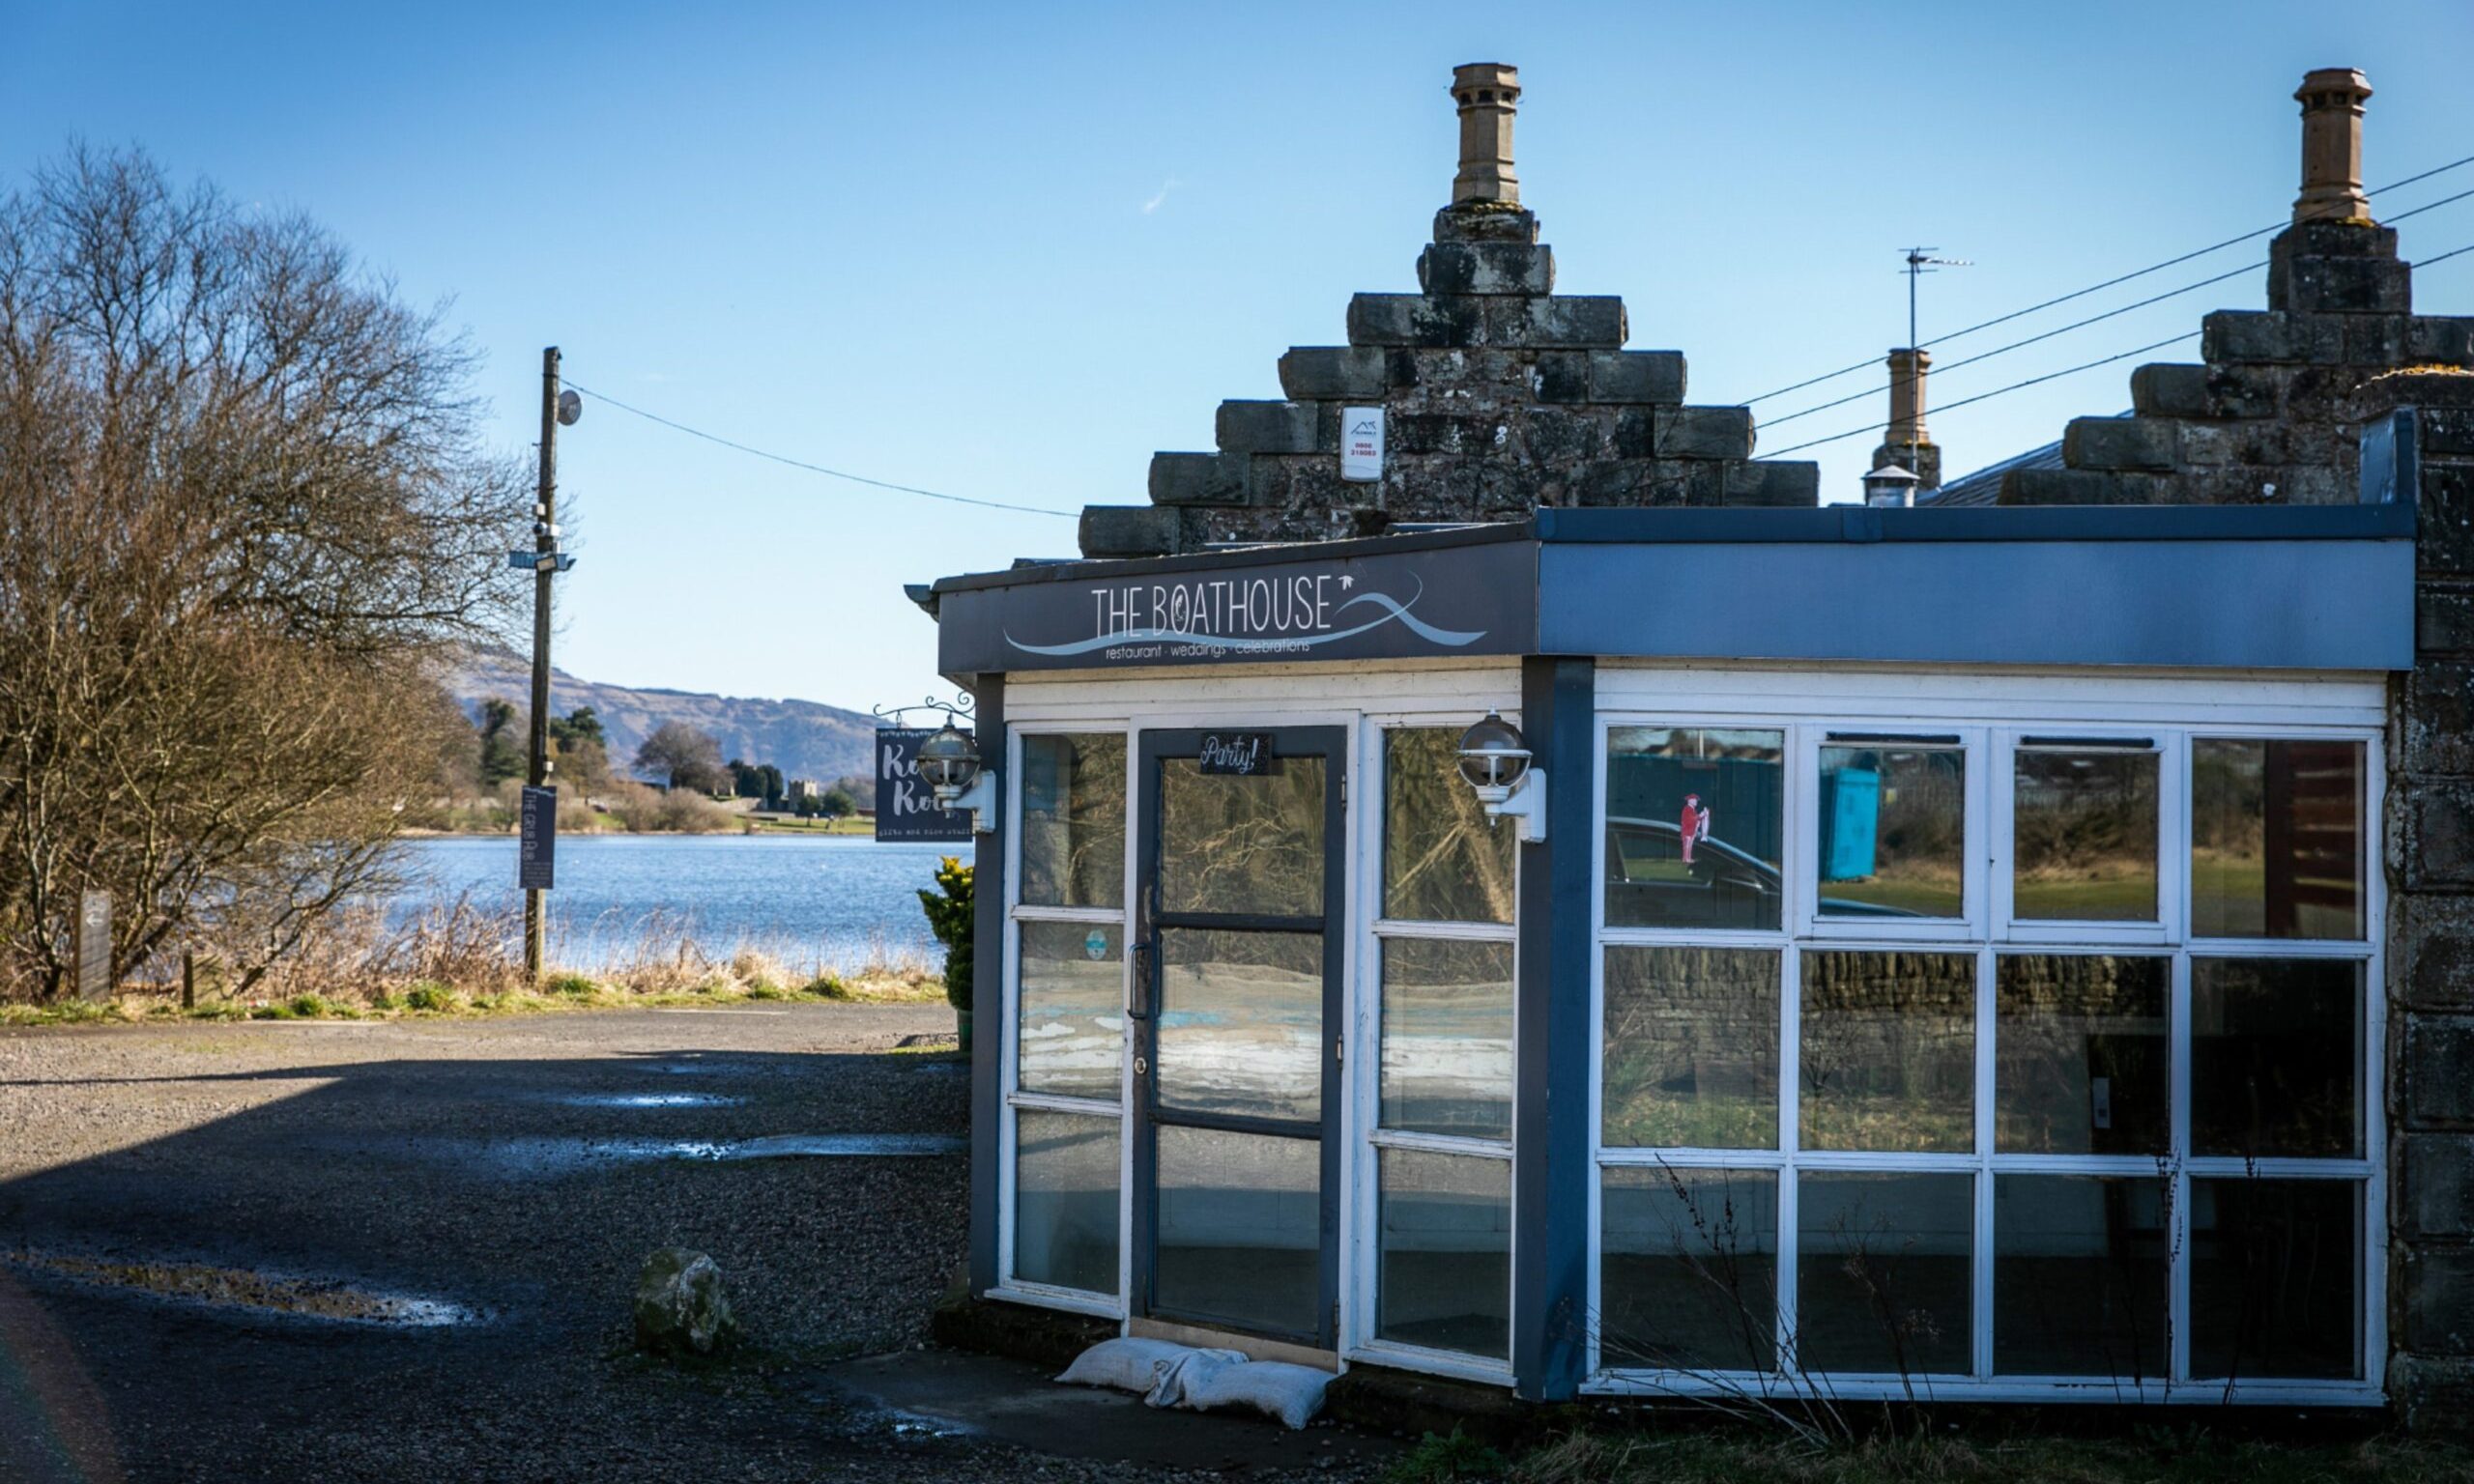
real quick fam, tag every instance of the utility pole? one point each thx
(545, 544)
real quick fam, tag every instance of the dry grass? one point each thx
(2155, 1454)
(457, 959)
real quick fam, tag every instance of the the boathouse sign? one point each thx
(1475, 600)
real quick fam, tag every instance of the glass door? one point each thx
(1237, 1050)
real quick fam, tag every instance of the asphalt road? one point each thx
(501, 1181)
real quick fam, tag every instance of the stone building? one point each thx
(1498, 395)
(1432, 924)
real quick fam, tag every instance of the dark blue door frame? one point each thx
(1551, 1138)
(991, 1036)
(1330, 745)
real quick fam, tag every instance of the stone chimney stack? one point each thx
(1907, 443)
(2332, 99)
(1488, 94)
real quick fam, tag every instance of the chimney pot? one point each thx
(1488, 94)
(2332, 99)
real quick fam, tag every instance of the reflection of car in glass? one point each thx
(1723, 886)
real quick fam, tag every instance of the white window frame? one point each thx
(1994, 713)
(1014, 1099)
(1366, 1080)
(1359, 698)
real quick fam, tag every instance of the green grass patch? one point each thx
(579, 984)
(1447, 1459)
(429, 998)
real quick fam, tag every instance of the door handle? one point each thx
(1138, 997)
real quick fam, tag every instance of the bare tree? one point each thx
(686, 756)
(244, 507)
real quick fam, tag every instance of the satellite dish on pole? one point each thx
(571, 407)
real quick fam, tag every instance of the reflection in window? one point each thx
(1695, 823)
(2276, 839)
(2078, 1276)
(1065, 1200)
(2275, 1048)
(1447, 1038)
(1691, 1048)
(2275, 1286)
(1885, 1272)
(1690, 1279)
(2080, 1060)
(1071, 1038)
(1240, 1028)
(1241, 843)
(1446, 1281)
(1888, 1058)
(1444, 861)
(2084, 834)
(1073, 820)
(1240, 1229)
(1894, 827)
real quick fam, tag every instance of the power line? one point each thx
(2003, 350)
(1981, 396)
(817, 469)
(2097, 288)
(2096, 319)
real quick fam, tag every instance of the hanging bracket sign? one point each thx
(1238, 753)
(906, 806)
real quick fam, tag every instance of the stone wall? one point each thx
(1499, 395)
(2430, 866)
(2265, 420)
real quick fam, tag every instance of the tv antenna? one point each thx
(1921, 261)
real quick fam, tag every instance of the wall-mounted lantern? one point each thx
(1495, 762)
(949, 763)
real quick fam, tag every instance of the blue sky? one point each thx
(1009, 251)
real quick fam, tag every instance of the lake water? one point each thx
(837, 901)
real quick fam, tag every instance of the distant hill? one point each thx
(803, 738)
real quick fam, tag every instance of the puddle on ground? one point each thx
(239, 1288)
(534, 1157)
(647, 1101)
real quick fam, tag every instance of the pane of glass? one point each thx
(1691, 1048)
(1251, 842)
(2078, 1276)
(2273, 1279)
(1241, 1023)
(1447, 1252)
(1443, 860)
(1073, 820)
(1072, 1038)
(1890, 1051)
(1689, 1275)
(1694, 823)
(1885, 1272)
(1447, 1038)
(2081, 1062)
(2276, 839)
(1894, 827)
(2275, 1055)
(2083, 833)
(1065, 1200)
(1241, 1225)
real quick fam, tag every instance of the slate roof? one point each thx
(1983, 487)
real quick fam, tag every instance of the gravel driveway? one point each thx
(510, 1175)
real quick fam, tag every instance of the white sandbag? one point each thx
(1291, 1393)
(1174, 1380)
(1129, 1365)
